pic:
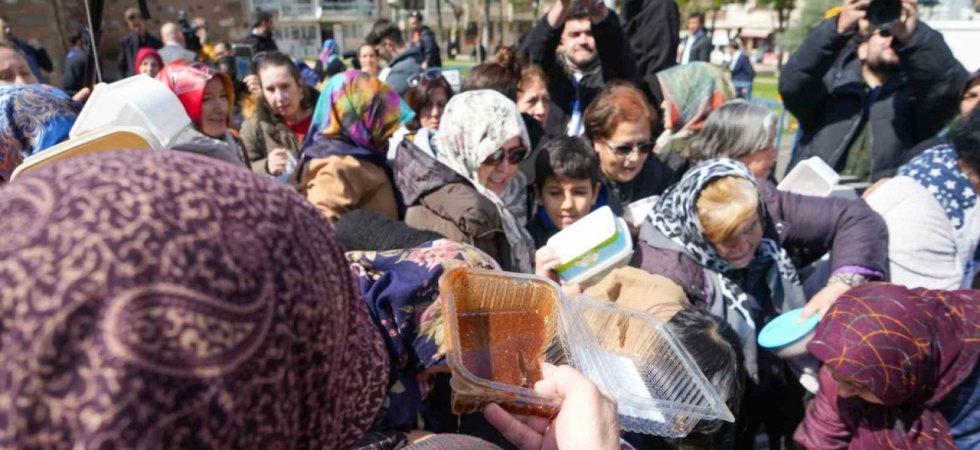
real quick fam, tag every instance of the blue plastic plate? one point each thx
(785, 329)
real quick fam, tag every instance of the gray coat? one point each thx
(171, 53)
(404, 66)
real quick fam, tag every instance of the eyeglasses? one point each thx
(428, 76)
(513, 156)
(625, 150)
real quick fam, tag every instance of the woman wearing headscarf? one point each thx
(726, 240)
(900, 371)
(328, 63)
(691, 92)
(207, 96)
(148, 62)
(343, 160)
(480, 143)
(214, 310)
(33, 117)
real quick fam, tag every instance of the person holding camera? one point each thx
(868, 85)
(173, 45)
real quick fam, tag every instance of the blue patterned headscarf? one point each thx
(938, 170)
(329, 51)
(33, 117)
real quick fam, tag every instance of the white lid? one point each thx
(585, 235)
(619, 259)
(810, 177)
(138, 101)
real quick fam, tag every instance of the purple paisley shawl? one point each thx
(165, 300)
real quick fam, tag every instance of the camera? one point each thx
(191, 41)
(883, 13)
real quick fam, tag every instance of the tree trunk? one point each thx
(440, 33)
(485, 41)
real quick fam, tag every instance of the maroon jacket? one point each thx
(807, 227)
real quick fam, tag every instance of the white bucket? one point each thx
(138, 101)
(810, 177)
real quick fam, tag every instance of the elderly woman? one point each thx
(343, 166)
(900, 371)
(618, 123)
(481, 141)
(742, 131)
(691, 92)
(207, 96)
(726, 240)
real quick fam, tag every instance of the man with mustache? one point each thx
(866, 94)
(581, 46)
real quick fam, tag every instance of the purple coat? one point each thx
(807, 227)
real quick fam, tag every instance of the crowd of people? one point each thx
(272, 279)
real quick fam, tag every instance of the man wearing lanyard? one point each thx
(581, 46)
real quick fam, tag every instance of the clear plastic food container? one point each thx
(500, 327)
(635, 358)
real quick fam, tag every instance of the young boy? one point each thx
(566, 186)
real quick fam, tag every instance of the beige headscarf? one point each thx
(474, 125)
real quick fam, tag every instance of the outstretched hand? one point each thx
(823, 300)
(587, 419)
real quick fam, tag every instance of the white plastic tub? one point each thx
(592, 247)
(810, 177)
(139, 102)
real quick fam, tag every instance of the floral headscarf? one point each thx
(676, 224)
(188, 81)
(909, 347)
(32, 118)
(165, 300)
(329, 51)
(692, 91)
(401, 288)
(474, 125)
(358, 113)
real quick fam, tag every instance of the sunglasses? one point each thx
(883, 32)
(427, 76)
(624, 150)
(513, 156)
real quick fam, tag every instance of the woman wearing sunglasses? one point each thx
(619, 124)
(480, 143)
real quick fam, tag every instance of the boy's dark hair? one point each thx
(717, 350)
(384, 28)
(567, 157)
(494, 77)
(965, 137)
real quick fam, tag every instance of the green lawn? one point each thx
(766, 87)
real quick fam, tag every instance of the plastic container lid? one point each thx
(140, 102)
(810, 177)
(633, 356)
(786, 329)
(104, 139)
(592, 246)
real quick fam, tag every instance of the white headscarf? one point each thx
(474, 125)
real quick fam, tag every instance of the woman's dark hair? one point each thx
(228, 66)
(266, 60)
(965, 137)
(717, 350)
(494, 77)
(419, 95)
(566, 157)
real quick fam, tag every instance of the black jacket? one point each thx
(128, 47)
(261, 43)
(700, 49)
(743, 70)
(654, 46)
(76, 67)
(429, 46)
(653, 179)
(615, 57)
(822, 86)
